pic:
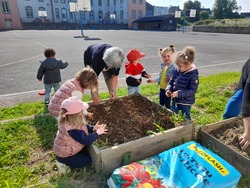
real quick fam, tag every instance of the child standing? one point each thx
(134, 71)
(184, 83)
(84, 79)
(74, 134)
(166, 72)
(50, 69)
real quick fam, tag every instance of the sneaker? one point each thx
(63, 168)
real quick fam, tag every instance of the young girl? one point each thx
(166, 72)
(74, 134)
(184, 83)
(84, 79)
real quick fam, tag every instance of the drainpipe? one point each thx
(52, 11)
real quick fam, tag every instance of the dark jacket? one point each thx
(93, 57)
(245, 85)
(50, 68)
(186, 83)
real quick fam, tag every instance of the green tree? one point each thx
(225, 9)
(204, 15)
(192, 5)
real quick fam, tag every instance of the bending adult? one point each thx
(245, 81)
(108, 60)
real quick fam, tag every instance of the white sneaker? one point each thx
(63, 168)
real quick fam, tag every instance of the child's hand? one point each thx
(174, 94)
(102, 129)
(148, 76)
(150, 81)
(168, 93)
(138, 81)
(89, 115)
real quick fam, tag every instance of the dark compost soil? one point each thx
(129, 118)
(229, 134)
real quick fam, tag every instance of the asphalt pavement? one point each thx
(22, 51)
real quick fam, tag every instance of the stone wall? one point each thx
(212, 29)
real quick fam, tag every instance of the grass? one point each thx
(26, 156)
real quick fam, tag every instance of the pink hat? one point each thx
(134, 54)
(74, 105)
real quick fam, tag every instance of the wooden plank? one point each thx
(145, 147)
(241, 163)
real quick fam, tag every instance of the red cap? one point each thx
(134, 54)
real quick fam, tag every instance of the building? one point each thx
(101, 11)
(9, 15)
(160, 23)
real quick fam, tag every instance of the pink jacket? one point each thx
(65, 145)
(64, 92)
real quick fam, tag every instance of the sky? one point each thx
(245, 4)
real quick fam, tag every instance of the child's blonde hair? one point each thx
(171, 48)
(185, 56)
(87, 78)
(77, 120)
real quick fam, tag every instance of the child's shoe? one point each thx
(63, 168)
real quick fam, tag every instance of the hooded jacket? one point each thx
(186, 83)
(50, 68)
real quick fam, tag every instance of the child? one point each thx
(167, 69)
(50, 68)
(184, 83)
(85, 79)
(134, 71)
(74, 134)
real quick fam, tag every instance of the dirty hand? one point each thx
(148, 76)
(102, 129)
(245, 140)
(168, 93)
(112, 95)
(174, 94)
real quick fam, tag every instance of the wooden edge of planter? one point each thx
(111, 158)
(237, 160)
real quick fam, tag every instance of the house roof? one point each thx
(154, 18)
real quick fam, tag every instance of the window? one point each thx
(99, 2)
(91, 3)
(57, 13)
(121, 14)
(133, 14)
(5, 7)
(134, 1)
(121, 1)
(56, 1)
(63, 1)
(41, 9)
(29, 12)
(40, 0)
(108, 2)
(140, 14)
(114, 2)
(140, 1)
(64, 14)
(70, 15)
(91, 15)
(100, 14)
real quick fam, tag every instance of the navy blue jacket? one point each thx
(93, 57)
(50, 68)
(186, 83)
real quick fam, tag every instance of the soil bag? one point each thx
(188, 165)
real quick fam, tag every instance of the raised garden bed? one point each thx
(137, 128)
(222, 138)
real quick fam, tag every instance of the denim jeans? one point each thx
(133, 90)
(185, 109)
(48, 88)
